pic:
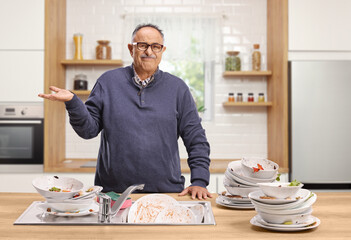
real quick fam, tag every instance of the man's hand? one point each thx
(61, 95)
(195, 191)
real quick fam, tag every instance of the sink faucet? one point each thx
(105, 210)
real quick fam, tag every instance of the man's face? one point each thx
(147, 60)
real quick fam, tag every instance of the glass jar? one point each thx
(256, 58)
(78, 41)
(232, 61)
(231, 97)
(250, 97)
(261, 97)
(239, 97)
(103, 51)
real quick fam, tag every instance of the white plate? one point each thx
(234, 200)
(228, 180)
(146, 209)
(44, 207)
(280, 203)
(235, 169)
(254, 222)
(239, 180)
(176, 213)
(256, 195)
(235, 206)
(310, 220)
(299, 209)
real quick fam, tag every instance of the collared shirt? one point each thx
(140, 82)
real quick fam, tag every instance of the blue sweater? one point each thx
(139, 133)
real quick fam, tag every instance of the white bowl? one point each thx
(280, 219)
(244, 192)
(279, 190)
(270, 168)
(44, 183)
(69, 206)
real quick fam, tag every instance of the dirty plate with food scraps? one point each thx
(235, 168)
(224, 203)
(255, 221)
(309, 221)
(147, 208)
(93, 208)
(259, 196)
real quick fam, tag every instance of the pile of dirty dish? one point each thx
(242, 177)
(284, 207)
(66, 196)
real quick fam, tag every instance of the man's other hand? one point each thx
(61, 95)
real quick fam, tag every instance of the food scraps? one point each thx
(258, 168)
(294, 183)
(55, 189)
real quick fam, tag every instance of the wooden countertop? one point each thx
(333, 209)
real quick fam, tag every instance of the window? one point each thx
(190, 55)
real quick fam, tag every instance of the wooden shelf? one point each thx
(81, 92)
(246, 73)
(92, 62)
(247, 104)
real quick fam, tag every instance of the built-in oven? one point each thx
(21, 137)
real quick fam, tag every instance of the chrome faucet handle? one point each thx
(117, 206)
(104, 207)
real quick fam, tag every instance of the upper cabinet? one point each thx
(22, 25)
(319, 25)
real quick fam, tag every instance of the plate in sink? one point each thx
(94, 208)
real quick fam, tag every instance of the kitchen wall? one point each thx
(232, 132)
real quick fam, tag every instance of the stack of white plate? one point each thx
(239, 185)
(285, 214)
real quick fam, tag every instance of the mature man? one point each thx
(141, 112)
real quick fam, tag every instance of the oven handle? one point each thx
(20, 122)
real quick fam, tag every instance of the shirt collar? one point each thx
(145, 82)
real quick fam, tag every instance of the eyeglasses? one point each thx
(143, 46)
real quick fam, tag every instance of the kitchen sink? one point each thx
(33, 215)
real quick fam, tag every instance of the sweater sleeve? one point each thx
(86, 119)
(195, 141)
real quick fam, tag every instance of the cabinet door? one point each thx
(22, 24)
(22, 75)
(319, 25)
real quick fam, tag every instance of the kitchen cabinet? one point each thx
(319, 25)
(22, 72)
(22, 24)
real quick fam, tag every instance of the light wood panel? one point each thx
(247, 104)
(54, 74)
(333, 209)
(81, 92)
(93, 62)
(277, 84)
(246, 73)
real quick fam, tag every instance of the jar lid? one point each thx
(250, 94)
(103, 41)
(231, 93)
(80, 77)
(261, 94)
(256, 46)
(233, 53)
(240, 93)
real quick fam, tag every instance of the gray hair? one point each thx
(140, 26)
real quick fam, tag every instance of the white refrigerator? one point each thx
(320, 123)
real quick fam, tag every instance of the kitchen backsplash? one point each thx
(232, 132)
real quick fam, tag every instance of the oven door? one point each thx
(21, 141)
